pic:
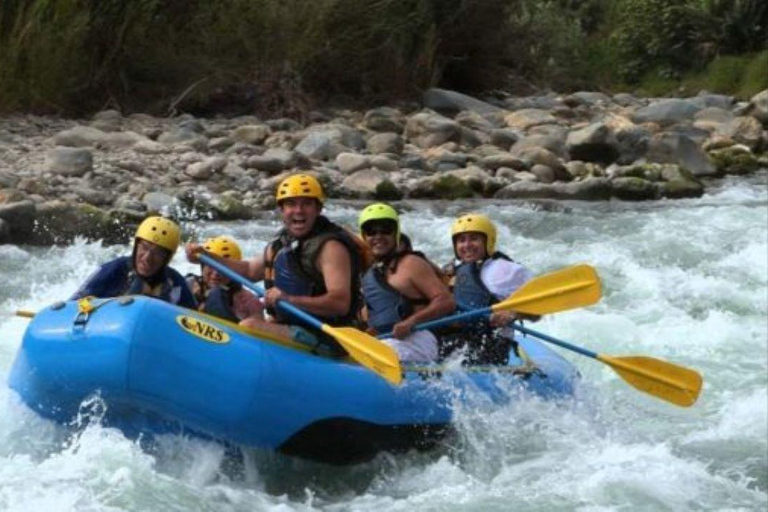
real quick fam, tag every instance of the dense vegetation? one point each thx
(283, 56)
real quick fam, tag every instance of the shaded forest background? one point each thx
(284, 57)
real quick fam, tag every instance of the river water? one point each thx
(685, 281)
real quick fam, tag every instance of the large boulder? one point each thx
(528, 118)
(667, 112)
(758, 107)
(69, 161)
(451, 102)
(427, 129)
(634, 189)
(364, 183)
(594, 143)
(19, 220)
(675, 148)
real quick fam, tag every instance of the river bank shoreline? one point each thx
(97, 178)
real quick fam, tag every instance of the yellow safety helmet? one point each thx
(476, 223)
(223, 247)
(379, 211)
(160, 231)
(300, 185)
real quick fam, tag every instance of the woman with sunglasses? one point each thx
(401, 289)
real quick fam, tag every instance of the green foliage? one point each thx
(755, 78)
(279, 57)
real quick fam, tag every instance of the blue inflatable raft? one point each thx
(156, 365)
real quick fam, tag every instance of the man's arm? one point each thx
(253, 269)
(424, 280)
(335, 264)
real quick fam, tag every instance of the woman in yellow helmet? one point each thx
(482, 276)
(219, 295)
(146, 271)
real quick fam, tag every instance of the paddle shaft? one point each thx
(560, 343)
(258, 290)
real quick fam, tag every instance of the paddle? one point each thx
(362, 347)
(569, 288)
(20, 312)
(662, 379)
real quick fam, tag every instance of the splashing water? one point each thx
(685, 281)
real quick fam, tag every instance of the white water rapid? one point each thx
(684, 281)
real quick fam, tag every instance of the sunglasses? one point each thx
(379, 228)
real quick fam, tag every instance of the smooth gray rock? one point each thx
(671, 148)
(443, 100)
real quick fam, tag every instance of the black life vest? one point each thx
(290, 264)
(219, 302)
(484, 344)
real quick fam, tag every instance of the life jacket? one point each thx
(483, 343)
(164, 289)
(219, 302)
(385, 305)
(290, 264)
(468, 288)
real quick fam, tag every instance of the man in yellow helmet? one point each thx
(146, 271)
(222, 297)
(402, 288)
(482, 276)
(313, 263)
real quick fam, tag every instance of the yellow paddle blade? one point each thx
(569, 288)
(25, 313)
(368, 351)
(670, 382)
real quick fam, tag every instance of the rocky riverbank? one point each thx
(97, 178)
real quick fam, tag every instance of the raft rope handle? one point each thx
(85, 308)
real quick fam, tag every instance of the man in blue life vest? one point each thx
(313, 263)
(402, 288)
(219, 295)
(146, 271)
(481, 277)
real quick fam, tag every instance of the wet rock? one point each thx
(229, 207)
(735, 159)
(251, 134)
(679, 149)
(543, 173)
(19, 218)
(445, 101)
(527, 190)
(364, 183)
(528, 118)
(384, 119)
(61, 222)
(387, 142)
(667, 112)
(594, 143)
(589, 189)
(758, 107)
(69, 161)
(428, 130)
(269, 164)
(504, 138)
(159, 202)
(634, 189)
(441, 187)
(349, 163)
(207, 168)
